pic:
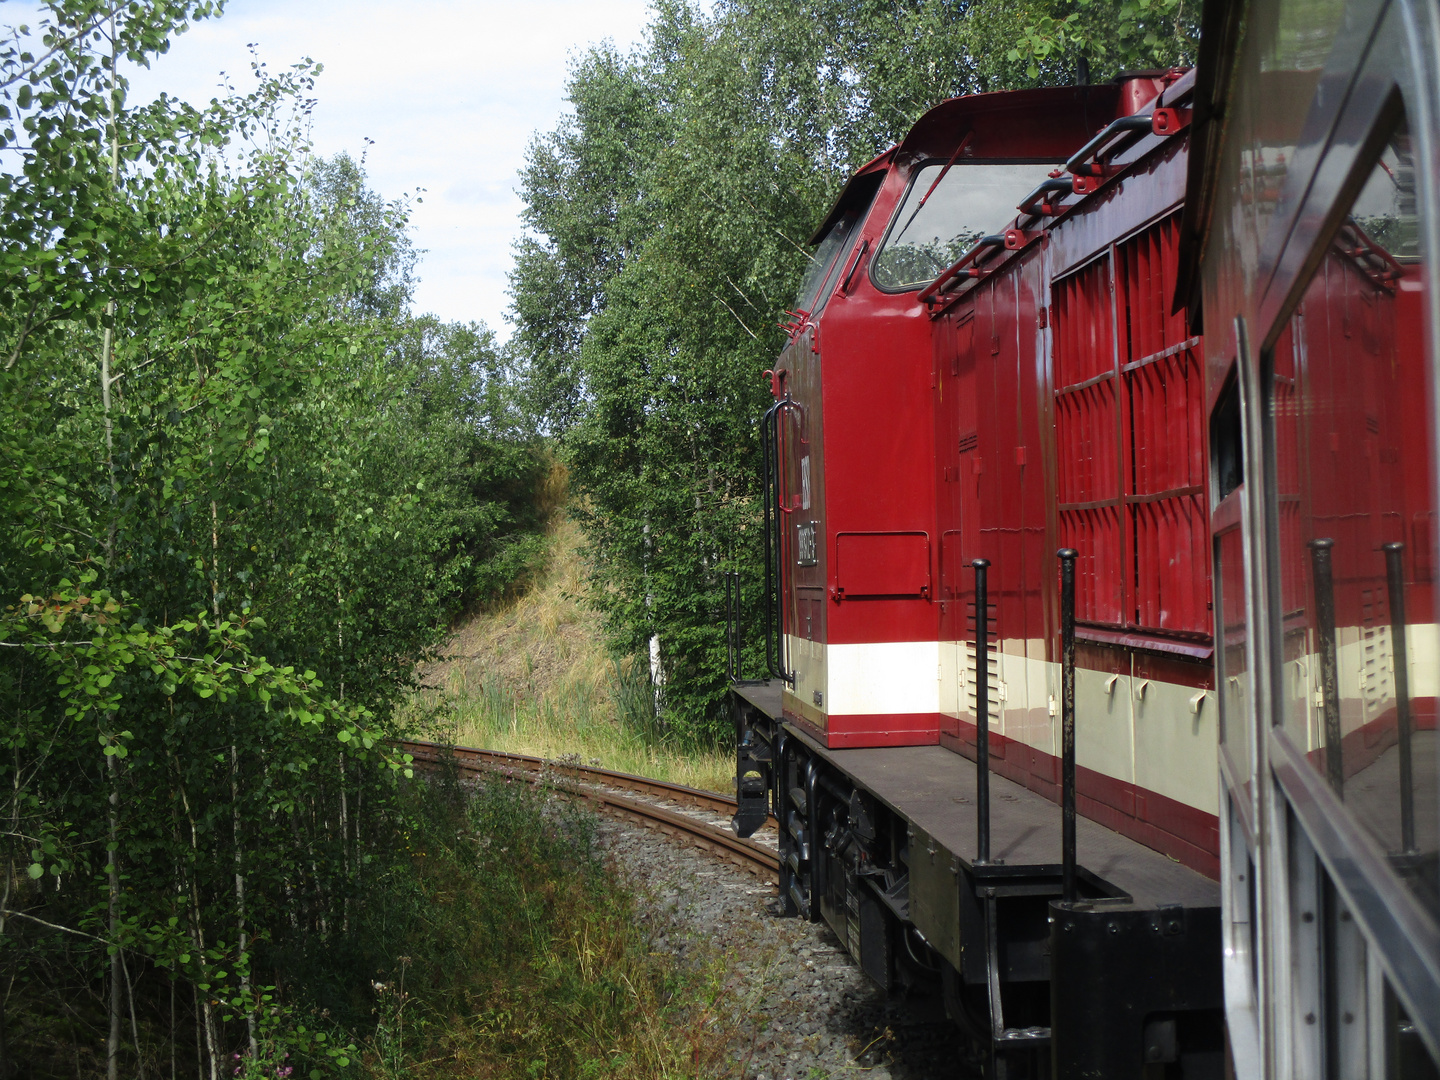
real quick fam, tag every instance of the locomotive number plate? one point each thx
(805, 544)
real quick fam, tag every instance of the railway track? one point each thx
(603, 788)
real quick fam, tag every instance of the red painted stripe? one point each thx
(880, 729)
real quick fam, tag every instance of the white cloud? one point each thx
(449, 91)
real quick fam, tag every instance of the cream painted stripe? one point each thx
(1163, 741)
(807, 661)
(884, 677)
(1156, 735)
(1422, 642)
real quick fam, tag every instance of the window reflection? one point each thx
(1234, 688)
(946, 210)
(825, 263)
(1358, 681)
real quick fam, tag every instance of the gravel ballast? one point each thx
(802, 1010)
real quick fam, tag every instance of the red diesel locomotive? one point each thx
(966, 392)
(942, 359)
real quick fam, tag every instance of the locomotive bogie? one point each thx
(879, 843)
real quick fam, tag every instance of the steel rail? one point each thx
(745, 853)
(712, 800)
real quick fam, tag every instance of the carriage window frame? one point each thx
(1394, 920)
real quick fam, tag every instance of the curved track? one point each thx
(602, 786)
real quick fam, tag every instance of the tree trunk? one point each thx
(112, 1054)
(107, 344)
(4, 1046)
(203, 1011)
(134, 1024)
(199, 1041)
(112, 874)
(344, 849)
(241, 929)
(214, 550)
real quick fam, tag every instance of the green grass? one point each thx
(513, 951)
(532, 676)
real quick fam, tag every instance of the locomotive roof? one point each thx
(1012, 123)
(1025, 124)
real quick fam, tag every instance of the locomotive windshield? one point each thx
(933, 228)
(825, 263)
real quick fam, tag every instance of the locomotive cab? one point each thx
(855, 638)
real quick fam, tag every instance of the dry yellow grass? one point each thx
(532, 676)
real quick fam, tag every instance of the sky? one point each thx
(449, 91)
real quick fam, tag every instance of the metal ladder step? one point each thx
(1030, 1036)
(802, 905)
(797, 827)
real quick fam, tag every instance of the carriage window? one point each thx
(938, 222)
(1348, 391)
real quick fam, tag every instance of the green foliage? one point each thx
(242, 492)
(1134, 35)
(669, 216)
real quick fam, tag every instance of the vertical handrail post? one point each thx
(739, 641)
(1067, 558)
(1324, 574)
(1400, 651)
(767, 484)
(982, 711)
(732, 624)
